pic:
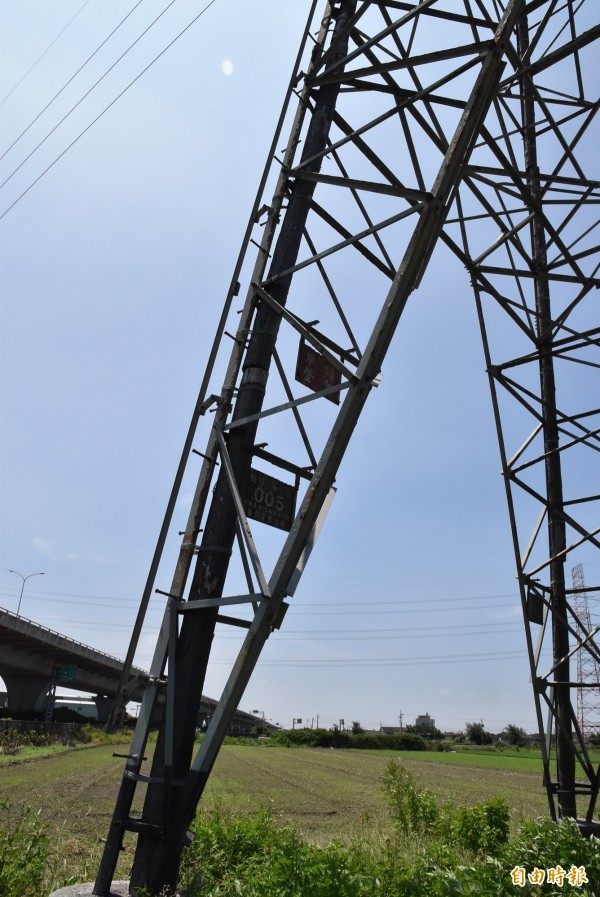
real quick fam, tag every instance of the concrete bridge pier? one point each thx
(26, 692)
(103, 706)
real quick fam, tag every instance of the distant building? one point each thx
(83, 706)
(425, 722)
(390, 730)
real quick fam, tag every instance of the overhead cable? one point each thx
(80, 69)
(49, 47)
(86, 94)
(112, 103)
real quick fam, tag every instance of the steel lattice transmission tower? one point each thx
(465, 122)
(588, 658)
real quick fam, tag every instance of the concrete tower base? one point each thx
(118, 889)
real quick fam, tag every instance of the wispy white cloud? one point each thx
(44, 546)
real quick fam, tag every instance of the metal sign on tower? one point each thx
(405, 125)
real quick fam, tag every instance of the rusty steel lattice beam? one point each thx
(415, 123)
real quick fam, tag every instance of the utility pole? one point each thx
(401, 127)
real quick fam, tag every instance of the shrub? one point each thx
(415, 809)
(483, 828)
(480, 829)
(254, 858)
(23, 854)
(545, 844)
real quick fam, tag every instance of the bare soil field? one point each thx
(323, 794)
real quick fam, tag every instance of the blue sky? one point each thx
(114, 269)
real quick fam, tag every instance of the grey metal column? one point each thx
(557, 542)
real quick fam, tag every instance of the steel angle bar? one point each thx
(551, 59)
(505, 236)
(485, 287)
(294, 409)
(424, 94)
(368, 186)
(573, 305)
(241, 514)
(580, 643)
(304, 473)
(351, 240)
(355, 240)
(244, 558)
(534, 203)
(525, 445)
(287, 406)
(582, 183)
(169, 714)
(193, 606)
(434, 12)
(249, 654)
(579, 440)
(233, 621)
(533, 539)
(531, 275)
(364, 148)
(586, 537)
(373, 41)
(306, 332)
(333, 296)
(477, 49)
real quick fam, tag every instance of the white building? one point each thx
(425, 721)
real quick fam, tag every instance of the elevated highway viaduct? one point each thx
(34, 660)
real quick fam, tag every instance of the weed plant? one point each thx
(436, 850)
(23, 853)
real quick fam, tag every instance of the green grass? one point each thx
(530, 762)
(33, 753)
(322, 794)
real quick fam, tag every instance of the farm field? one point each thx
(323, 794)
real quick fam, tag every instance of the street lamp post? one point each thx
(24, 578)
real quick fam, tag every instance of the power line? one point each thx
(86, 94)
(340, 605)
(112, 103)
(299, 611)
(391, 661)
(313, 635)
(80, 69)
(49, 47)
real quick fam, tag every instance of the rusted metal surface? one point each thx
(314, 371)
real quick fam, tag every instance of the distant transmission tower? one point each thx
(588, 660)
